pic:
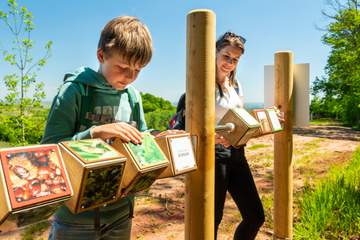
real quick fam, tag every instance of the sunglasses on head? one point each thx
(233, 35)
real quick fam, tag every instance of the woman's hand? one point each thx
(169, 132)
(280, 115)
(120, 130)
(219, 139)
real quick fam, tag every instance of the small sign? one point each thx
(276, 125)
(182, 153)
(263, 120)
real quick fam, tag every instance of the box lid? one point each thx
(92, 150)
(147, 154)
(246, 117)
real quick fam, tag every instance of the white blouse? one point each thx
(229, 100)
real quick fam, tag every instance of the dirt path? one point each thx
(159, 213)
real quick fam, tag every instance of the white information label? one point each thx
(274, 120)
(182, 152)
(265, 125)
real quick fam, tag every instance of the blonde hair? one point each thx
(129, 38)
(231, 39)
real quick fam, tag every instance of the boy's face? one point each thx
(117, 72)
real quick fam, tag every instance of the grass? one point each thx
(267, 201)
(308, 147)
(325, 122)
(34, 230)
(332, 209)
(257, 146)
(4, 144)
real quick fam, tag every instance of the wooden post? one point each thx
(283, 143)
(200, 121)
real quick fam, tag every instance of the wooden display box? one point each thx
(33, 183)
(145, 162)
(95, 170)
(246, 126)
(179, 150)
(269, 122)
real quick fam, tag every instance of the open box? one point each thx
(33, 183)
(269, 121)
(145, 162)
(246, 126)
(95, 169)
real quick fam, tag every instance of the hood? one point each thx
(89, 77)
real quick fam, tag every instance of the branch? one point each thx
(15, 22)
(328, 15)
(26, 52)
(9, 26)
(46, 56)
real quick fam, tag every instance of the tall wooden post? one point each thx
(200, 121)
(283, 143)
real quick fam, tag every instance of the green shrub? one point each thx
(11, 130)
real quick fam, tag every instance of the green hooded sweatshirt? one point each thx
(85, 100)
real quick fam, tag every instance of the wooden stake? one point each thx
(200, 121)
(283, 143)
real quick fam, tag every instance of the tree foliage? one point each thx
(24, 91)
(158, 111)
(34, 124)
(152, 103)
(338, 93)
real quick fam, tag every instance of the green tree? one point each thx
(339, 91)
(24, 91)
(158, 111)
(159, 119)
(152, 103)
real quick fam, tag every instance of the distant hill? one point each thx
(254, 105)
(249, 105)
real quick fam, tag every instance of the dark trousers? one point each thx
(232, 173)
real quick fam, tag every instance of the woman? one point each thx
(232, 172)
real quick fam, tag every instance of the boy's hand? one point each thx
(120, 130)
(219, 139)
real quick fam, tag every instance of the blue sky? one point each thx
(268, 26)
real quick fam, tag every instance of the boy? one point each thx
(98, 104)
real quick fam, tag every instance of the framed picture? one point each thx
(34, 175)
